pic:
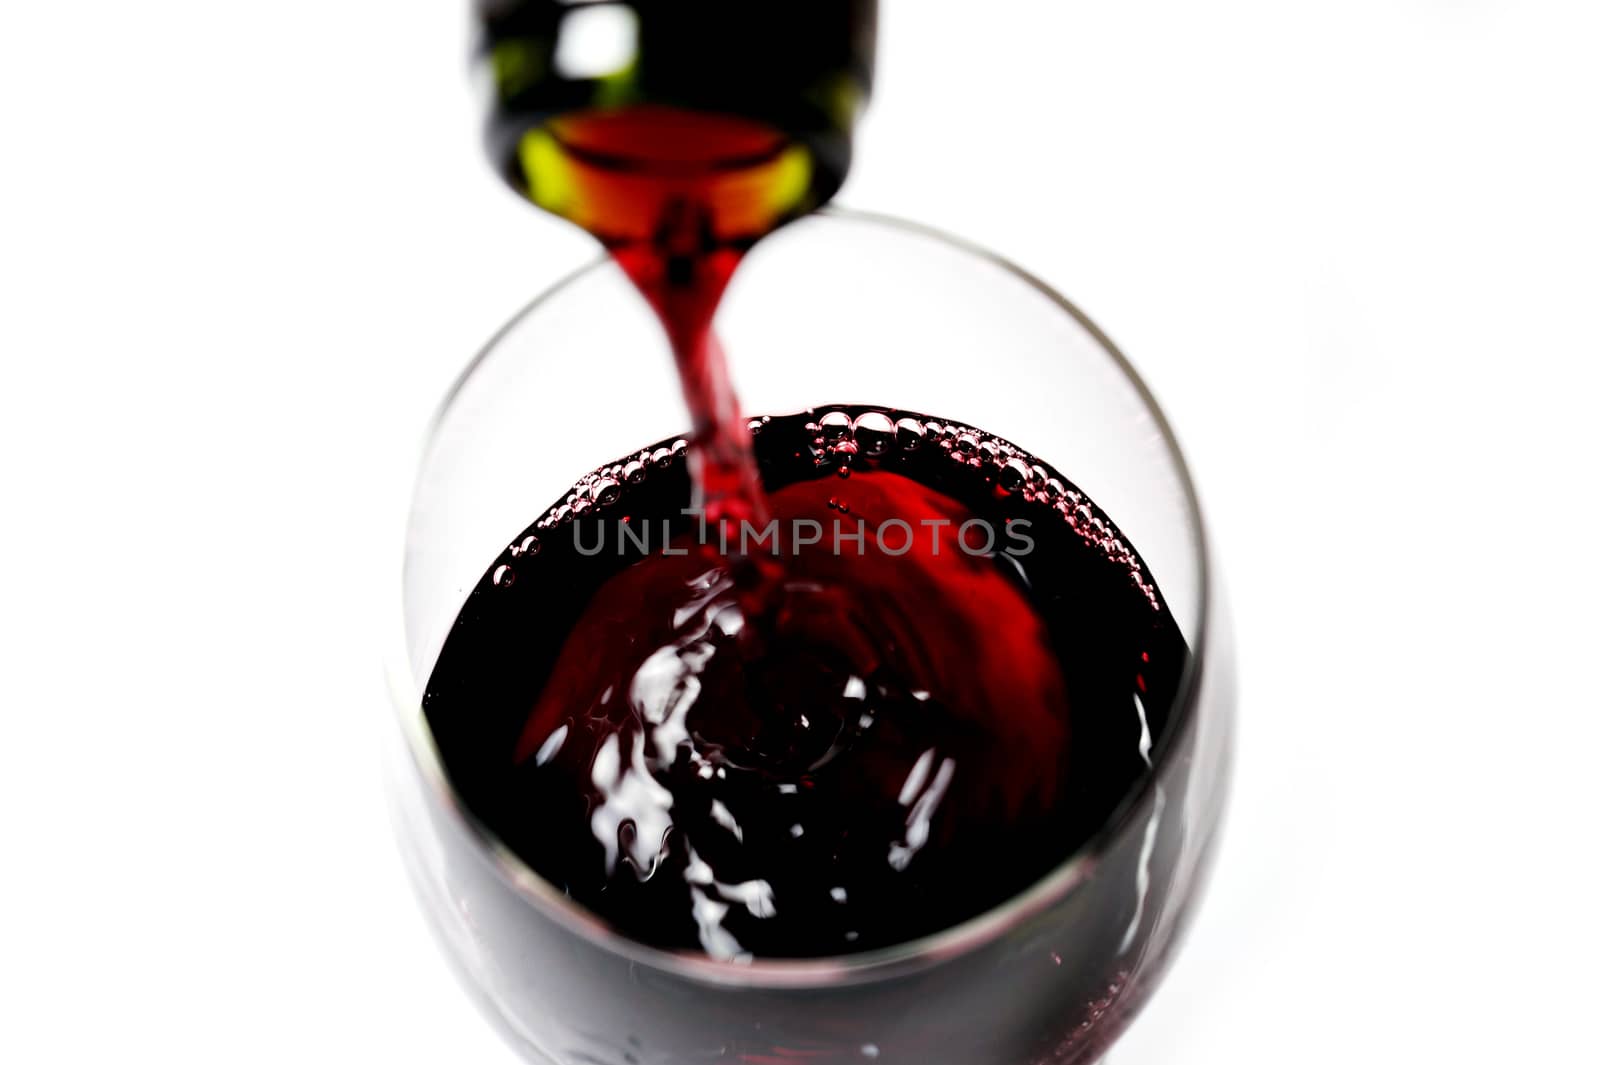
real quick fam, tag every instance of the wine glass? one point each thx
(837, 307)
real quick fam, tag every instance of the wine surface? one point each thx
(956, 676)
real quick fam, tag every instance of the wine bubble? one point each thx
(504, 576)
(873, 432)
(1014, 476)
(835, 427)
(909, 433)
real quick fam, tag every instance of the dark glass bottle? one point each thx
(609, 113)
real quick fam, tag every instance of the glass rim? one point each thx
(883, 962)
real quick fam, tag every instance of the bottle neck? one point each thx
(752, 104)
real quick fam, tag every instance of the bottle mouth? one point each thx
(620, 172)
(665, 141)
(901, 958)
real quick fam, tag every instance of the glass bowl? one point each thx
(836, 308)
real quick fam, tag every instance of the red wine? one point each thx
(959, 676)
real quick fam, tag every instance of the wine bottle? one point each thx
(614, 115)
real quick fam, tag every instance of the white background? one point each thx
(244, 247)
